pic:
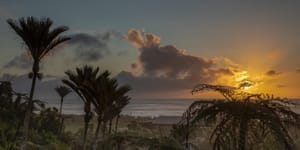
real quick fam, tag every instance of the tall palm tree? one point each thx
(244, 119)
(39, 39)
(78, 81)
(62, 91)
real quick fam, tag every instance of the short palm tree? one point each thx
(244, 119)
(78, 81)
(39, 39)
(62, 91)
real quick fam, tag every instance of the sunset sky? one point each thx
(164, 48)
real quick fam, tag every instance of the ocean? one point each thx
(142, 107)
(136, 107)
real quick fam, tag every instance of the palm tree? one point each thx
(62, 91)
(108, 99)
(78, 81)
(116, 101)
(39, 39)
(121, 101)
(244, 119)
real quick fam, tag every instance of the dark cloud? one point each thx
(91, 47)
(87, 40)
(224, 71)
(21, 62)
(167, 67)
(145, 84)
(89, 55)
(298, 71)
(272, 73)
(281, 86)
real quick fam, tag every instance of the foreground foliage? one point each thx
(243, 120)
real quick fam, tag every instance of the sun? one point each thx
(247, 87)
(243, 81)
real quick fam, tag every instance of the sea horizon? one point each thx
(143, 107)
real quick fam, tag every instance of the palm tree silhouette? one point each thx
(62, 91)
(116, 100)
(244, 119)
(120, 100)
(39, 39)
(108, 99)
(78, 81)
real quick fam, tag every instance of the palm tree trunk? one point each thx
(28, 112)
(86, 126)
(104, 129)
(60, 115)
(118, 146)
(109, 127)
(243, 134)
(117, 121)
(187, 131)
(96, 134)
(60, 108)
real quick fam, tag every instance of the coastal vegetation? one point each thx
(243, 120)
(239, 121)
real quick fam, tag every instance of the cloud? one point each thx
(91, 47)
(145, 84)
(20, 62)
(281, 86)
(272, 73)
(298, 71)
(168, 67)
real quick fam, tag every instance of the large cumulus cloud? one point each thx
(167, 67)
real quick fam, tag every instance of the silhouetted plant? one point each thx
(244, 119)
(62, 91)
(39, 39)
(78, 81)
(108, 99)
(120, 100)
